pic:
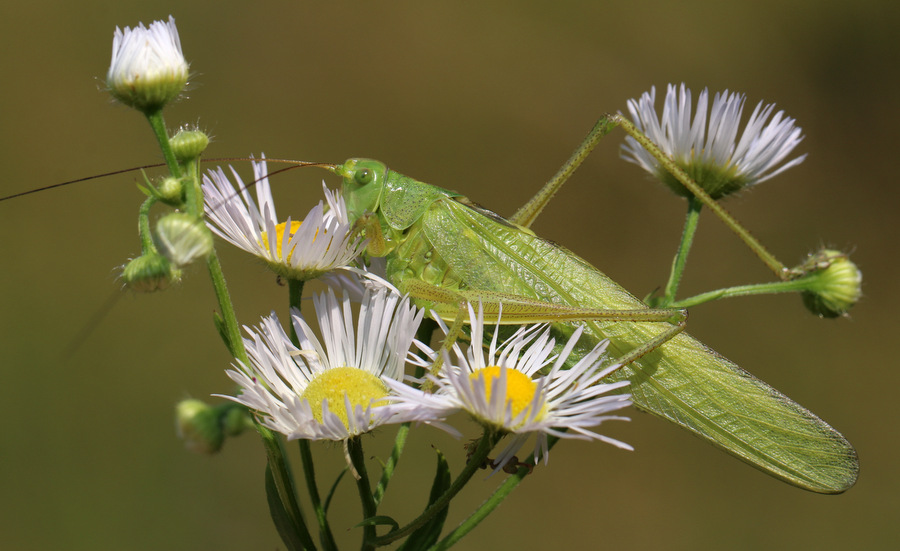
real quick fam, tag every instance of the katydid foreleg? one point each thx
(527, 214)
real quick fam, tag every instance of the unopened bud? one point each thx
(188, 144)
(150, 272)
(147, 69)
(182, 238)
(198, 426)
(835, 283)
(170, 191)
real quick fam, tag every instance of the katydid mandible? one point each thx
(445, 251)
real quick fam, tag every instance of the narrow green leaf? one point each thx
(429, 532)
(280, 516)
(333, 489)
(379, 520)
(223, 332)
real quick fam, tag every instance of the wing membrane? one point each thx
(682, 381)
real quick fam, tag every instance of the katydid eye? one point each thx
(364, 176)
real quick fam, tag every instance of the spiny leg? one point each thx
(529, 212)
(511, 309)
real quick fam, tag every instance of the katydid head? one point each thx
(364, 181)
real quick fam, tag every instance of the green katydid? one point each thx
(444, 251)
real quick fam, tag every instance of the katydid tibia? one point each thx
(445, 251)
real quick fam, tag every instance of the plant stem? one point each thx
(284, 481)
(369, 509)
(474, 463)
(147, 245)
(488, 506)
(794, 285)
(768, 258)
(159, 130)
(309, 473)
(680, 260)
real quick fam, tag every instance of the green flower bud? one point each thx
(835, 283)
(198, 426)
(235, 419)
(182, 238)
(170, 191)
(150, 272)
(188, 144)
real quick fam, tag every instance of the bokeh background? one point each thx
(488, 99)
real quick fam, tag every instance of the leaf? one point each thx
(428, 533)
(379, 520)
(280, 516)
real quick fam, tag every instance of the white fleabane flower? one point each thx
(504, 391)
(147, 69)
(336, 391)
(292, 249)
(705, 147)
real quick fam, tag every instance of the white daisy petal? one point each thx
(502, 389)
(295, 250)
(706, 147)
(289, 387)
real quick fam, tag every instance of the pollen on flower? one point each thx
(279, 238)
(361, 387)
(520, 388)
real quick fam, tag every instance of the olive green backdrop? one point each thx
(488, 99)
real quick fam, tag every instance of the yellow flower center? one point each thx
(361, 387)
(279, 238)
(520, 388)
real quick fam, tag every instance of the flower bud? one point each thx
(147, 69)
(182, 238)
(835, 283)
(170, 191)
(198, 426)
(150, 272)
(188, 144)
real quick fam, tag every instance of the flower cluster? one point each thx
(353, 380)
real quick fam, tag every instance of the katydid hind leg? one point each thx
(516, 309)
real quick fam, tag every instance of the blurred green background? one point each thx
(488, 99)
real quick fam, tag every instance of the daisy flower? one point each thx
(705, 147)
(504, 391)
(147, 69)
(292, 249)
(331, 391)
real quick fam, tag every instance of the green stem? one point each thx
(295, 295)
(678, 264)
(488, 506)
(474, 463)
(391, 463)
(147, 245)
(284, 481)
(309, 473)
(162, 136)
(792, 286)
(193, 194)
(295, 298)
(232, 329)
(768, 258)
(369, 508)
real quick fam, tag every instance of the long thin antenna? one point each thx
(296, 164)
